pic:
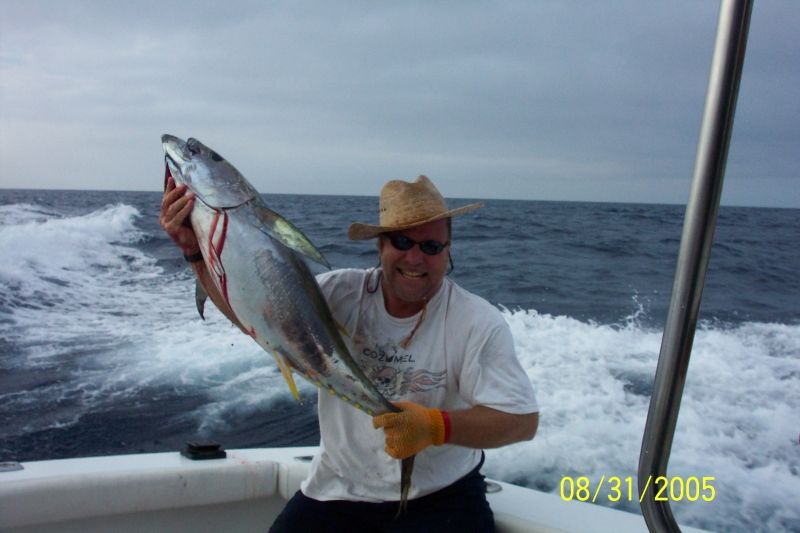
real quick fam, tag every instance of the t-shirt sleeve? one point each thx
(491, 374)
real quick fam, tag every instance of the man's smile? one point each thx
(411, 274)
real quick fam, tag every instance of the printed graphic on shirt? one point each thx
(394, 383)
(388, 354)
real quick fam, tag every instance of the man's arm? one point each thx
(484, 427)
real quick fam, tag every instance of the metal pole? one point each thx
(695, 249)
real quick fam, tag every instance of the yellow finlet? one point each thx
(341, 329)
(286, 370)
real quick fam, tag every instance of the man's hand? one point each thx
(412, 430)
(176, 204)
(174, 218)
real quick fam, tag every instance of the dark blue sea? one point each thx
(102, 350)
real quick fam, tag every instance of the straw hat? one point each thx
(405, 205)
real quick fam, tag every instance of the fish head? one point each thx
(207, 174)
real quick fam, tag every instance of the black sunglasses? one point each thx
(428, 247)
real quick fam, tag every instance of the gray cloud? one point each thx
(544, 100)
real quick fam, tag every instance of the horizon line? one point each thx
(626, 202)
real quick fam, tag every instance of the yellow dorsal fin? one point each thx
(286, 370)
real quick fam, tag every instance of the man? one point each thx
(442, 354)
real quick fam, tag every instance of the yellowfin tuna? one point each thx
(254, 257)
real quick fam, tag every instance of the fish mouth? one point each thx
(169, 159)
(174, 148)
(171, 139)
(172, 169)
(167, 174)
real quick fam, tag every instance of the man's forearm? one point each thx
(484, 427)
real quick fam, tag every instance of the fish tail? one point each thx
(406, 468)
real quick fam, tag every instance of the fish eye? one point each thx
(215, 156)
(193, 145)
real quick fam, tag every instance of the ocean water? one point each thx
(102, 351)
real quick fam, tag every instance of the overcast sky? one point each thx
(543, 100)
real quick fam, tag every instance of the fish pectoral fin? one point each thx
(200, 298)
(289, 235)
(286, 371)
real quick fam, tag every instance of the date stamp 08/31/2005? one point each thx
(617, 488)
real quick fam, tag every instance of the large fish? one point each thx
(254, 258)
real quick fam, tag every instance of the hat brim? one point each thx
(359, 231)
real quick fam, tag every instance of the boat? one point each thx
(242, 492)
(205, 488)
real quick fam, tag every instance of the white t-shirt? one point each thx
(462, 355)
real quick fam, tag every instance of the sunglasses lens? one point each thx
(431, 247)
(401, 243)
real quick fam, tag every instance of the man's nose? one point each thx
(414, 255)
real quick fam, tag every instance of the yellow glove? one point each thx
(412, 430)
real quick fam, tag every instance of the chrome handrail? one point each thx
(695, 249)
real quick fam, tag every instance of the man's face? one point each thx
(411, 277)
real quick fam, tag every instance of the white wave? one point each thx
(75, 288)
(67, 248)
(16, 214)
(62, 277)
(738, 420)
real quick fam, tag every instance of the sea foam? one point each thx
(738, 420)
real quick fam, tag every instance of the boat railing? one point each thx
(693, 257)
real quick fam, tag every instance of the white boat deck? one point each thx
(242, 493)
